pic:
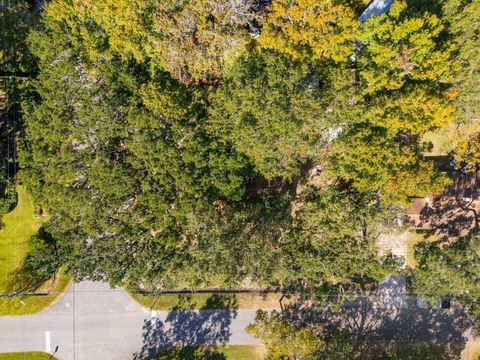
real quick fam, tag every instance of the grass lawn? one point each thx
(441, 139)
(210, 301)
(231, 352)
(26, 356)
(34, 304)
(20, 224)
(414, 237)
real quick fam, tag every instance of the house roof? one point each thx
(375, 8)
(417, 206)
(454, 210)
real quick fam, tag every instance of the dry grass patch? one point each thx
(230, 352)
(194, 301)
(30, 304)
(26, 356)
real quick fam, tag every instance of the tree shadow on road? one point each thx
(183, 328)
(373, 325)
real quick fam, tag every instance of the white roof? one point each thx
(376, 7)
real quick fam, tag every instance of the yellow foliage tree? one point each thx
(402, 45)
(194, 40)
(373, 161)
(467, 152)
(103, 27)
(413, 111)
(310, 29)
(122, 21)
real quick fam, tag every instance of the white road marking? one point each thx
(48, 344)
(154, 317)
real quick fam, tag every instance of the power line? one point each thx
(15, 108)
(5, 83)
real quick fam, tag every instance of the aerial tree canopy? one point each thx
(373, 160)
(194, 40)
(463, 17)
(450, 270)
(173, 147)
(135, 167)
(401, 46)
(283, 339)
(272, 110)
(405, 67)
(413, 110)
(328, 222)
(310, 29)
(295, 334)
(15, 57)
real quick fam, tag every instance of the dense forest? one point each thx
(227, 143)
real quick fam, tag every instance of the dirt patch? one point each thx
(395, 243)
(471, 351)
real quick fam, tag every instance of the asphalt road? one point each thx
(93, 321)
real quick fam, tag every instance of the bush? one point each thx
(42, 263)
(9, 199)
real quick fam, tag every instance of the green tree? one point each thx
(449, 270)
(16, 66)
(289, 335)
(462, 17)
(42, 263)
(402, 46)
(329, 221)
(271, 110)
(169, 151)
(373, 160)
(15, 58)
(399, 351)
(194, 40)
(121, 170)
(283, 339)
